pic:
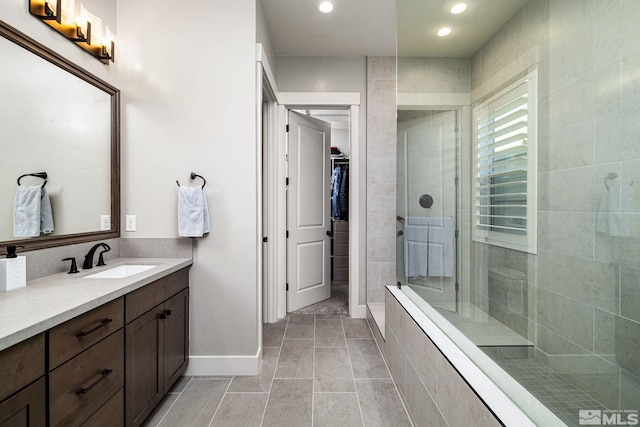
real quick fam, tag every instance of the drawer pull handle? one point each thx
(103, 323)
(103, 374)
(164, 314)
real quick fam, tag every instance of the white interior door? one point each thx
(308, 212)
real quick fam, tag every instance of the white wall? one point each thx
(189, 104)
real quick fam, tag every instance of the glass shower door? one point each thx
(426, 222)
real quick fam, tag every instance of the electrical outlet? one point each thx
(130, 223)
(105, 222)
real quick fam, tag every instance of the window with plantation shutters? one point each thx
(505, 154)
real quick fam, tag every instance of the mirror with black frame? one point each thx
(57, 118)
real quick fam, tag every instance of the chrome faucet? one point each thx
(88, 258)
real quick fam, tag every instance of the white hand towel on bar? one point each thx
(26, 211)
(193, 212)
(46, 214)
(428, 246)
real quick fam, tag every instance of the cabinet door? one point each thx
(176, 337)
(25, 409)
(144, 385)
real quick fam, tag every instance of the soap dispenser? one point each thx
(13, 270)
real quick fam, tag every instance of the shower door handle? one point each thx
(329, 233)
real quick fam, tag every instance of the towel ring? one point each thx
(193, 176)
(42, 175)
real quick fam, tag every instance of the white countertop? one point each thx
(52, 300)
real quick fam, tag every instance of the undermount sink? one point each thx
(120, 271)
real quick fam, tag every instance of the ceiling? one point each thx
(368, 27)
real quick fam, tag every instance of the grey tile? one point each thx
(296, 359)
(629, 390)
(424, 357)
(180, 384)
(332, 370)
(336, 409)
(457, 402)
(630, 293)
(300, 326)
(161, 410)
(197, 403)
(273, 333)
(356, 328)
(262, 382)
(366, 360)
(241, 410)
(380, 403)
(329, 333)
(327, 316)
(290, 404)
(420, 404)
(567, 317)
(627, 344)
(397, 361)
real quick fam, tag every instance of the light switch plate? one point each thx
(130, 223)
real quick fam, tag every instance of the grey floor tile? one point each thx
(273, 333)
(241, 410)
(329, 333)
(332, 370)
(336, 409)
(161, 410)
(366, 360)
(196, 404)
(262, 382)
(296, 359)
(300, 326)
(180, 384)
(290, 404)
(356, 328)
(328, 316)
(380, 403)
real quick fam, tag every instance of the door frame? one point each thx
(271, 132)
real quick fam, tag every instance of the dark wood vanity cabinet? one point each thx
(22, 384)
(157, 342)
(79, 374)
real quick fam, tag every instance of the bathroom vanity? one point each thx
(76, 350)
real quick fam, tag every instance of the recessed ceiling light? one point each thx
(458, 8)
(444, 31)
(325, 6)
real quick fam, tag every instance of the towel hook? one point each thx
(193, 176)
(42, 175)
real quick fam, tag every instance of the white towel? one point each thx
(26, 211)
(193, 212)
(428, 246)
(46, 214)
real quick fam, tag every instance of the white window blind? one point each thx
(505, 142)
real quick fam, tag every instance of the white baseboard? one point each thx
(359, 312)
(223, 365)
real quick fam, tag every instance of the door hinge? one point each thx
(287, 128)
(287, 234)
(287, 286)
(457, 286)
(265, 240)
(456, 234)
(456, 180)
(286, 181)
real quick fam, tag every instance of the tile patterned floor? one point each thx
(318, 370)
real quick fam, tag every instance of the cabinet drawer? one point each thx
(20, 365)
(83, 384)
(78, 334)
(144, 299)
(111, 414)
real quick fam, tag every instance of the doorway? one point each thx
(318, 211)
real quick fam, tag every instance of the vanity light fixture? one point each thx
(326, 6)
(84, 30)
(444, 31)
(458, 8)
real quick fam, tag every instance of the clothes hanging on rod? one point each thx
(340, 191)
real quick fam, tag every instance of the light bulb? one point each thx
(325, 6)
(458, 8)
(444, 31)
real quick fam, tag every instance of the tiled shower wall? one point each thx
(584, 284)
(381, 176)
